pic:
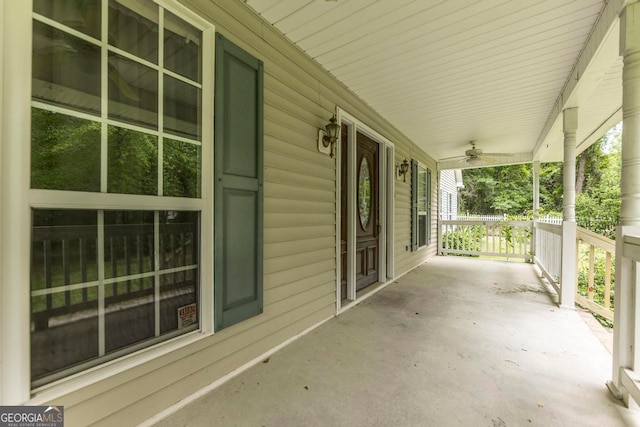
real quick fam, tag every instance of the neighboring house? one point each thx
(169, 213)
(450, 182)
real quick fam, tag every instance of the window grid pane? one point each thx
(65, 320)
(423, 206)
(132, 79)
(66, 69)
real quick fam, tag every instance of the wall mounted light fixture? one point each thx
(403, 168)
(328, 137)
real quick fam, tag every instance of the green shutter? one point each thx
(238, 184)
(414, 205)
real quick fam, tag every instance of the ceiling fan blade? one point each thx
(498, 154)
(452, 158)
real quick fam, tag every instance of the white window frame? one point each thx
(422, 168)
(17, 200)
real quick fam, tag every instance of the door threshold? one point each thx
(363, 294)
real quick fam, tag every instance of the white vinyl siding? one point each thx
(448, 194)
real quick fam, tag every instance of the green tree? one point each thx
(508, 189)
(497, 190)
(551, 187)
(598, 204)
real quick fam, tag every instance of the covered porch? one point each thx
(457, 341)
(433, 340)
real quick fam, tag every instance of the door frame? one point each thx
(386, 173)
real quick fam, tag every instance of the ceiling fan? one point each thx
(475, 156)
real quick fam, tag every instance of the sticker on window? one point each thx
(187, 315)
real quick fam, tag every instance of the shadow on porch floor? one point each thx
(455, 342)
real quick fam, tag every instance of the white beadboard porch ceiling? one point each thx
(445, 72)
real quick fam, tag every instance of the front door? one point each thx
(367, 212)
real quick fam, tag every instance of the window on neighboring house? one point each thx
(421, 206)
(116, 119)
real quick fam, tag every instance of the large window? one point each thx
(420, 206)
(423, 206)
(116, 110)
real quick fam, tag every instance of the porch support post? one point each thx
(536, 207)
(626, 329)
(568, 271)
(536, 189)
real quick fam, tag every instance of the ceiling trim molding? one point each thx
(603, 28)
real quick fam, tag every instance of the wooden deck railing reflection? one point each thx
(64, 268)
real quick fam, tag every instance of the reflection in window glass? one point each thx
(128, 245)
(182, 47)
(67, 158)
(178, 239)
(129, 316)
(181, 169)
(422, 190)
(181, 108)
(134, 28)
(422, 227)
(133, 92)
(64, 325)
(81, 15)
(132, 162)
(65, 329)
(179, 256)
(66, 70)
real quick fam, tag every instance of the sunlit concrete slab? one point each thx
(457, 341)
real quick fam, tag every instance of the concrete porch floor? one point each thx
(455, 342)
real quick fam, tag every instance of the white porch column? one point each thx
(568, 271)
(536, 207)
(626, 329)
(536, 189)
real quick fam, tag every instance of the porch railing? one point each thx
(594, 265)
(514, 239)
(504, 239)
(600, 251)
(548, 253)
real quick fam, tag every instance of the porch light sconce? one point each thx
(328, 137)
(403, 168)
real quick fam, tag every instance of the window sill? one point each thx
(75, 382)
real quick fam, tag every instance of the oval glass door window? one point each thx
(364, 193)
